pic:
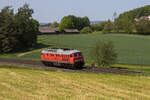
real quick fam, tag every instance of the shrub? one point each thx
(96, 27)
(103, 53)
(54, 24)
(86, 30)
(108, 27)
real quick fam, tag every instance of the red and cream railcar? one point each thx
(62, 57)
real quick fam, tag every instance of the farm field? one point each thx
(31, 84)
(131, 49)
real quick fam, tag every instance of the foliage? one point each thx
(125, 23)
(82, 22)
(143, 26)
(17, 31)
(126, 20)
(86, 30)
(108, 26)
(103, 53)
(136, 13)
(96, 27)
(105, 26)
(73, 22)
(54, 25)
(7, 30)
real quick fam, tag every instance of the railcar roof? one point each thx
(60, 51)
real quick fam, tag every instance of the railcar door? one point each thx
(71, 59)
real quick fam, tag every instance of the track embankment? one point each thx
(39, 65)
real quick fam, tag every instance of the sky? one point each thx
(46, 11)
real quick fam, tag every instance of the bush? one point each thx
(86, 30)
(54, 24)
(96, 27)
(108, 27)
(103, 53)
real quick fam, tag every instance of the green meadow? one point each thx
(131, 49)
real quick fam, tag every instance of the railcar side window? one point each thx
(57, 55)
(75, 55)
(70, 55)
(52, 54)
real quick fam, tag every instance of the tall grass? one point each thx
(27, 84)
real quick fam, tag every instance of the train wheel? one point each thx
(73, 67)
(44, 63)
(51, 64)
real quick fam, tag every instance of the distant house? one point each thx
(143, 17)
(71, 31)
(47, 30)
(50, 31)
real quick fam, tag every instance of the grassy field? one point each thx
(131, 49)
(30, 84)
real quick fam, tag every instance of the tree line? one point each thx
(124, 23)
(131, 22)
(17, 30)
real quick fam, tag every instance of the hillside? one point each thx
(137, 13)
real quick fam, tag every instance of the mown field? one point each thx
(131, 49)
(31, 84)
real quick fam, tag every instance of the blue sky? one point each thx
(54, 10)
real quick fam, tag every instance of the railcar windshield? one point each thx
(80, 54)
(75, 55)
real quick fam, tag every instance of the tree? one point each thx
(124, 23)
(54, 24)
(68, 22)
(143, 26)
(96, 27)
(25, 26)
(86, 30)
(84, 22)
(8, 40)
(103, 53)
(127, 24)
(17, 31)
(73, 22)
(114, 15)
(108, 27)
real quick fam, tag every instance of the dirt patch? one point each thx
(39, 65)
(25, 53)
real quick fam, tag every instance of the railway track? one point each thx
(39, 65)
